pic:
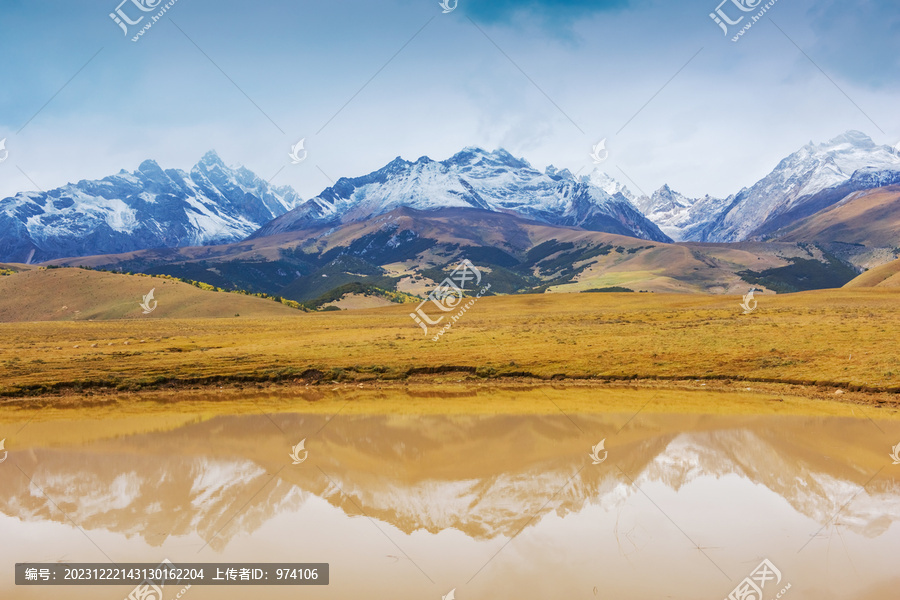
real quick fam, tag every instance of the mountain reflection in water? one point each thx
(502, 506)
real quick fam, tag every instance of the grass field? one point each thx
(886, 275)
(80, 295)
(842, 337)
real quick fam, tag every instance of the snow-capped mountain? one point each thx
(149, 208)
(155, 208)
(809, 180)
(802, 184)
(493, 181)
(677, 215)
(609, 185)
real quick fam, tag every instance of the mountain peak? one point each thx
(504, 157)
(502, 153)
(211, 158)
(853, 138)
(150, 167)
(558, 174)
(468, 155)
(602, 180)
(803, 183)
(397, 165)
(471, 155)
(474, 150)
(146, 209)
(473, 178)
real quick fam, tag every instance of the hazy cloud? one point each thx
(861, 44)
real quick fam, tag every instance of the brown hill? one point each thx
(870, 218)
(885, 276)
(406, 249)
(78, 294)
(16, 267)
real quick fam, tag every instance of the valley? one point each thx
(408, 252)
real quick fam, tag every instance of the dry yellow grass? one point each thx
(887, 275)
(17, 267)
(845, 336)
(77, 294)
(359, 301)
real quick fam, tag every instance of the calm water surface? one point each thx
(684, 506)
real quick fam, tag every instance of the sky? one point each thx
(677, 101)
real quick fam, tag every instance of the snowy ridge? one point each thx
(799, 181)
(677, 215)
(805, 182)
(149, 208)
(473, 178)
(154, 208)
(609, 185)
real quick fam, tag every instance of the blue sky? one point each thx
(364, 82)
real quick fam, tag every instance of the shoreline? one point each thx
(449, 386)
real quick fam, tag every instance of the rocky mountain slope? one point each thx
(491, 181)
(149, 208)
(409, 251)
(812, 179)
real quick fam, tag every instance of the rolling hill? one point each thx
(82, 295)
(9, 268)
(870, 218)
(885, 276)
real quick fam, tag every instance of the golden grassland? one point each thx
(846, 338)
(80, 295)
(886, 275)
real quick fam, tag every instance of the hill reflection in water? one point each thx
(411, 506)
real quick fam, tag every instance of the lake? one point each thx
(410, 493)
